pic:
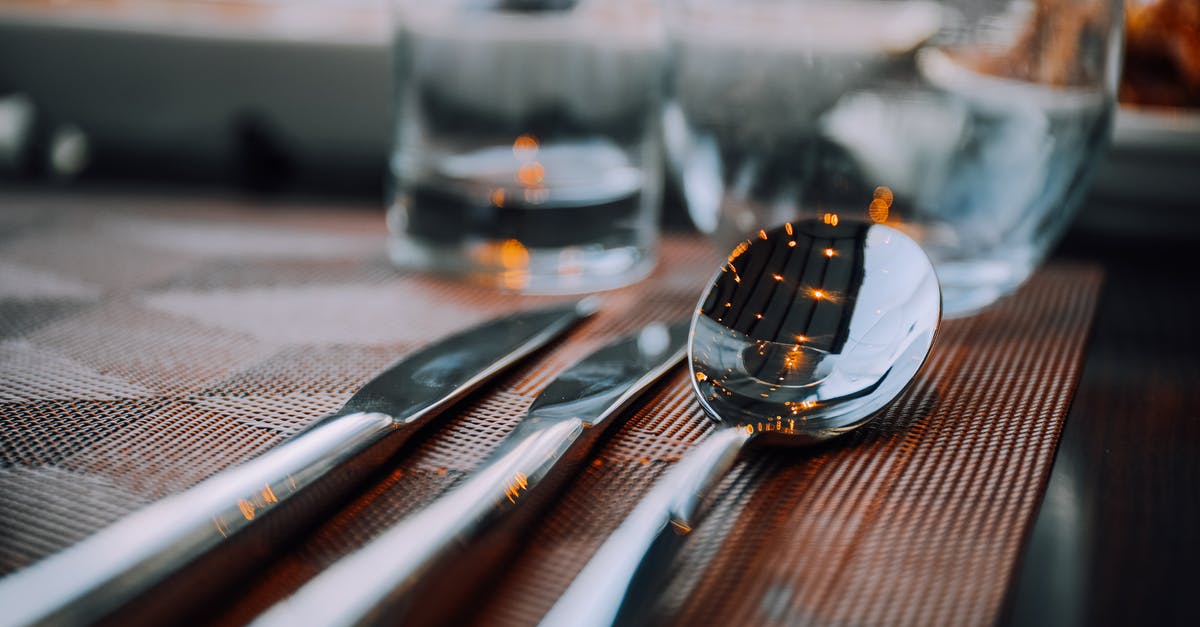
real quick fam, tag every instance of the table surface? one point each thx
(1115, 538)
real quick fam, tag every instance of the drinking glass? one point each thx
(971, 125)
(528, 147)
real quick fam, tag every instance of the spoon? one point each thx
(806, 333)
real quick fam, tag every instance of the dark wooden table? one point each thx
(1117, 537)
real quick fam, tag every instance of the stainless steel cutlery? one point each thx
(205, 536)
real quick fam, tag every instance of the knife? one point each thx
(230, 522)
(420, 570)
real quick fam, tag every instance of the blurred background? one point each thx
(293, 97)
(270, 96)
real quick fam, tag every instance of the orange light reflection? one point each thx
(531, 174)
(525, 147)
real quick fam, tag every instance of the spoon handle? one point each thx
(423, 569)
(623, 577)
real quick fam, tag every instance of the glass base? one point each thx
(969, 287)
(508, 265)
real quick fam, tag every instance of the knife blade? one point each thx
(418, 571)
(248, 510)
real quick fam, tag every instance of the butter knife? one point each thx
(229, 523)
(422, 569)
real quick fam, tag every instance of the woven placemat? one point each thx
(146, 346)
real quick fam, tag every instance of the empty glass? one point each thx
(971, 125)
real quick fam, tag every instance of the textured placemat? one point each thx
(144, 347)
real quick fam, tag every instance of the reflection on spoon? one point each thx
(806, 332)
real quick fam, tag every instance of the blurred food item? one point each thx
(1162, 50)
(1162, 53)
(1054, 48)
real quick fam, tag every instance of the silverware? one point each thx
(419, 570)
(204, 536)
(806, 333)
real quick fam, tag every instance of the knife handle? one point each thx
(620, 583)
(394, 575)
(208, 537)
(101, 573)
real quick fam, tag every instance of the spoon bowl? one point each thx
(806, 332)
(809, 329)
